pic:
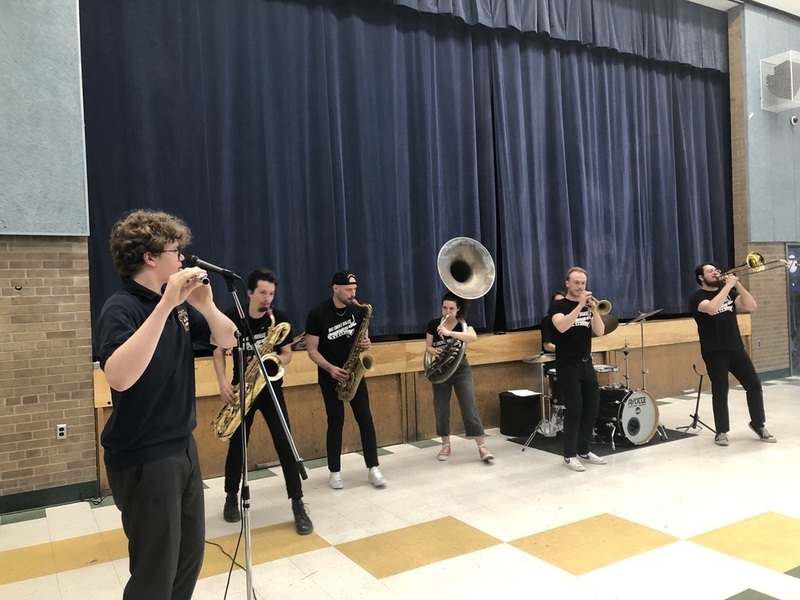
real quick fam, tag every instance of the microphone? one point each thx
(193, 261)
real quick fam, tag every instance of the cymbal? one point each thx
(539, 358)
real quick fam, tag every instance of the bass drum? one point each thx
(633, 413)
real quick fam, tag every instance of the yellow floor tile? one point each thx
(770, 540)
(26, 563)
(415, 546)
(266, 544)
(592, 543)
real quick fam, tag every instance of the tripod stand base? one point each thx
(694, 425)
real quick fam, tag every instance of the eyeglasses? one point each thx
(177, 251)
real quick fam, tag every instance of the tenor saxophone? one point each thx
(230, 416)
(358, 362)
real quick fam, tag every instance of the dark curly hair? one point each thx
(141, 231)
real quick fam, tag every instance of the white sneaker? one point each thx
(376, 478)
(574, 464)
(593, 459)
(335, 480)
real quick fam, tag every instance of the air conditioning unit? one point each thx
(780, 81)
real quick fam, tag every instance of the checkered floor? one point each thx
(687, 519)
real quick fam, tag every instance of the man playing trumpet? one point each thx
(714, 308)
(574, 319)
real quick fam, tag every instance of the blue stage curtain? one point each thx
(672, 30)
(610, 163)
(309, 136)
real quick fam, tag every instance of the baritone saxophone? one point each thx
(230, 416)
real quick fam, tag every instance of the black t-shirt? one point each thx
(575, 342)
(548, 332)
(720, 331)
(335, 328)
(438, 340)
(155, 417)
(259, 327)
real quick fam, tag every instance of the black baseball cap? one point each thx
(343, 278)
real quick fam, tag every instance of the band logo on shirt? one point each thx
(183, 317)
(343, 329)
(584, 319)
(727, 306)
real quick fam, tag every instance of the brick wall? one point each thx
(45, 364)
(770, 341)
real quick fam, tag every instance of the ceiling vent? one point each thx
(780, 81)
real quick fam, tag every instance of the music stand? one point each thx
(696, 415)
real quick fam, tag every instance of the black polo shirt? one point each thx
(155, 417)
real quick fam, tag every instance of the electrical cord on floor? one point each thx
(95, 500)
(235, 553)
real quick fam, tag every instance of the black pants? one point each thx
(163, 516)
(580, 395)
(737, 363)
(335, 411)
(233, 462)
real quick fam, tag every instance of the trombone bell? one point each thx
(755, 263)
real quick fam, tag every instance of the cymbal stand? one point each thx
(641, 318)
(544, 425)
(696, 415)
(625, 351)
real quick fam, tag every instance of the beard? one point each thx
(716, 283)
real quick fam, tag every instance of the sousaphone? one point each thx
(466, 268)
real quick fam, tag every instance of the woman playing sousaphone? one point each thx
(448, 369)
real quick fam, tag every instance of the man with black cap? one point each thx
(330, 329)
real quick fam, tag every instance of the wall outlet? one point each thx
(61, 431)
(758, 343)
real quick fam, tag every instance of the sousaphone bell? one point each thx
(466, 268)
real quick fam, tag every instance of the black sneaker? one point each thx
(763, 434)
(231, 510)
(302, 523)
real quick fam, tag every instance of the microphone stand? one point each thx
(244, 340)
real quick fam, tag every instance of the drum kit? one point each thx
(624, 414)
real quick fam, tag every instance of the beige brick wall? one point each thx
(770, 347)
(45, 364)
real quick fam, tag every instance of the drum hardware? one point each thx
(540, 358)
(633, 414)
(641, 318)
(696, 415)
(546, 425)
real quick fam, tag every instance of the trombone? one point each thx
(755, 263)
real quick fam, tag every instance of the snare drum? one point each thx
(606, 368)
(633, 413)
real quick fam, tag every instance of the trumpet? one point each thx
(754, 263)
(601, 307)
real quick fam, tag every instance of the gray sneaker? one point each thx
(721, 439)
(763, 434)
